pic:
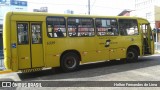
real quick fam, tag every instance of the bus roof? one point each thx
(71, 15)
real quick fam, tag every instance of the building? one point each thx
(69, 12)
(125, 13)
(42, 9)
(149, 9)
(10, 5)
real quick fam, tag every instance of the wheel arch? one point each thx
(134, 47)
(71, 50)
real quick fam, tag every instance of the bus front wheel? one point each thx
(132, 55)
(69, 62)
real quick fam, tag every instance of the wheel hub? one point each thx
(70, 62)
(131, 55)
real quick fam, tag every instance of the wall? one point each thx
(12, 5)
(157, 13)
(146, 9)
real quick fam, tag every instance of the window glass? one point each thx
(106, 27)
(56, 27)
(80, 27)
(128, 27)
(36, 34)
(145, 29)
(22, 29)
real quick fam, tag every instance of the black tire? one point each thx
(132, 55)
(69, 62)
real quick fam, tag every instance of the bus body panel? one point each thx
(14, 46)
(102, 51)
(6, 41)
(54, 50)
(117, 47)
(56, 46)
(49, 52)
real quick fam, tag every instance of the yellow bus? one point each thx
(33, 41)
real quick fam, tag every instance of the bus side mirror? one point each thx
(107, 43)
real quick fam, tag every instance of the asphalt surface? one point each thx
(146, 69)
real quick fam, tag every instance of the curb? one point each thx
(157, 51)
(5, 71)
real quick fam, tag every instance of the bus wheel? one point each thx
(69, 62)
(132, 55)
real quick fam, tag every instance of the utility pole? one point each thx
(88, 7)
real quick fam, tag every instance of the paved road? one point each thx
(146, 69)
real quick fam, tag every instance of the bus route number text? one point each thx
(50, 42)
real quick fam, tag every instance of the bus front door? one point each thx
(147, 39)
(29, 48)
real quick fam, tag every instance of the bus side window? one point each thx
(59, 33)
(56, 27)
(50, 31)
(106, 26)
(72, 27)
(80, 27)
(128, 26)
(72, 30)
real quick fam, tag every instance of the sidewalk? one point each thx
(157, 51)
(2, 68)
(157, 47)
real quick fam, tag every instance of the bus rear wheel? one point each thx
(69, 62)
(132, 55)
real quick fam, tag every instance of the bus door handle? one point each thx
(107, 43)
(24, 58)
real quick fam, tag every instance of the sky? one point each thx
(98, 7)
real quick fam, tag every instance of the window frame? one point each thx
(28, 33)
(126, 31)
(52, 25)
(82, 27)
(40, 32)
(106, 27)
